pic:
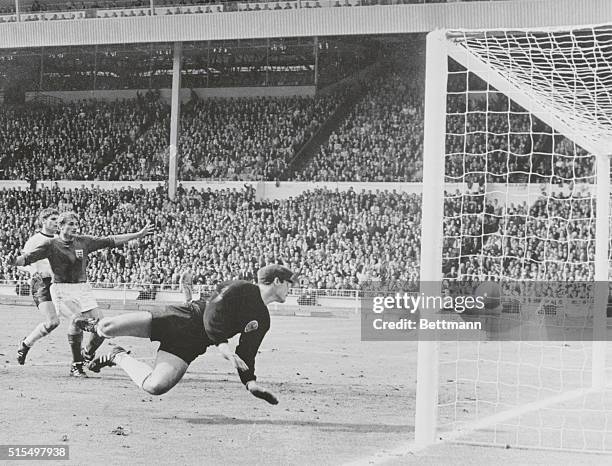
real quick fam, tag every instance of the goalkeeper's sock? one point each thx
(137, 370)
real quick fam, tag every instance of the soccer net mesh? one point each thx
(526, 114)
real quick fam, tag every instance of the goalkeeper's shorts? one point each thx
(180, 331)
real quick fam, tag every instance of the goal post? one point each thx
(431, 237)
(518, 125)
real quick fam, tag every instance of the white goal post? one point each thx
(531, 140)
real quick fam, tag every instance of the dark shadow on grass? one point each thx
(326, 426)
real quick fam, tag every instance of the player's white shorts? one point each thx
(72, 298)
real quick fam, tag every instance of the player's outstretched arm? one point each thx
(247, 350)
(41, 252)
(146, 231)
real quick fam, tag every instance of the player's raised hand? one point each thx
(261, 392)
(149, 229)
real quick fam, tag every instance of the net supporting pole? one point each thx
(602, 232)
(431, 230)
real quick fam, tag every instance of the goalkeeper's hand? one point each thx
(261, 392)
(232, 357)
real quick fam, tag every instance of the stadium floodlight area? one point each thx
(518, 134)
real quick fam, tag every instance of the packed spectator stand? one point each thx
(248, 139)
(335, 239)
(380, 140)
(232, 139)
(256, 139)
(72, 141)
(516, 147)
(552, 239)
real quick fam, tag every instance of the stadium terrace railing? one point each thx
(305, 297)
(170, 292)
(112, 9)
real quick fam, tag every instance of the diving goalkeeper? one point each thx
(186, 331)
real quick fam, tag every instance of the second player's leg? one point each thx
(51, 316)
(42, 330)
(70, 309)
(94, 341)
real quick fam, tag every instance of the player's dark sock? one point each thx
(75, 347)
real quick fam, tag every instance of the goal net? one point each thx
(518, 129)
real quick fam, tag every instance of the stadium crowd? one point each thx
(335, 239)
(231, 139)
(552, 239)
(146, 158)
(72, 141)
(249, 139)
(496, 141)
(380, 140)
(227, 139)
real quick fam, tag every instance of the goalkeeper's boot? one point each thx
(106, 360)
(22, 352)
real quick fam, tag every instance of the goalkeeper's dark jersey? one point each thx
(237, 308)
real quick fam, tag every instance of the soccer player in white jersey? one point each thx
(71, 293)
(40, 282)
